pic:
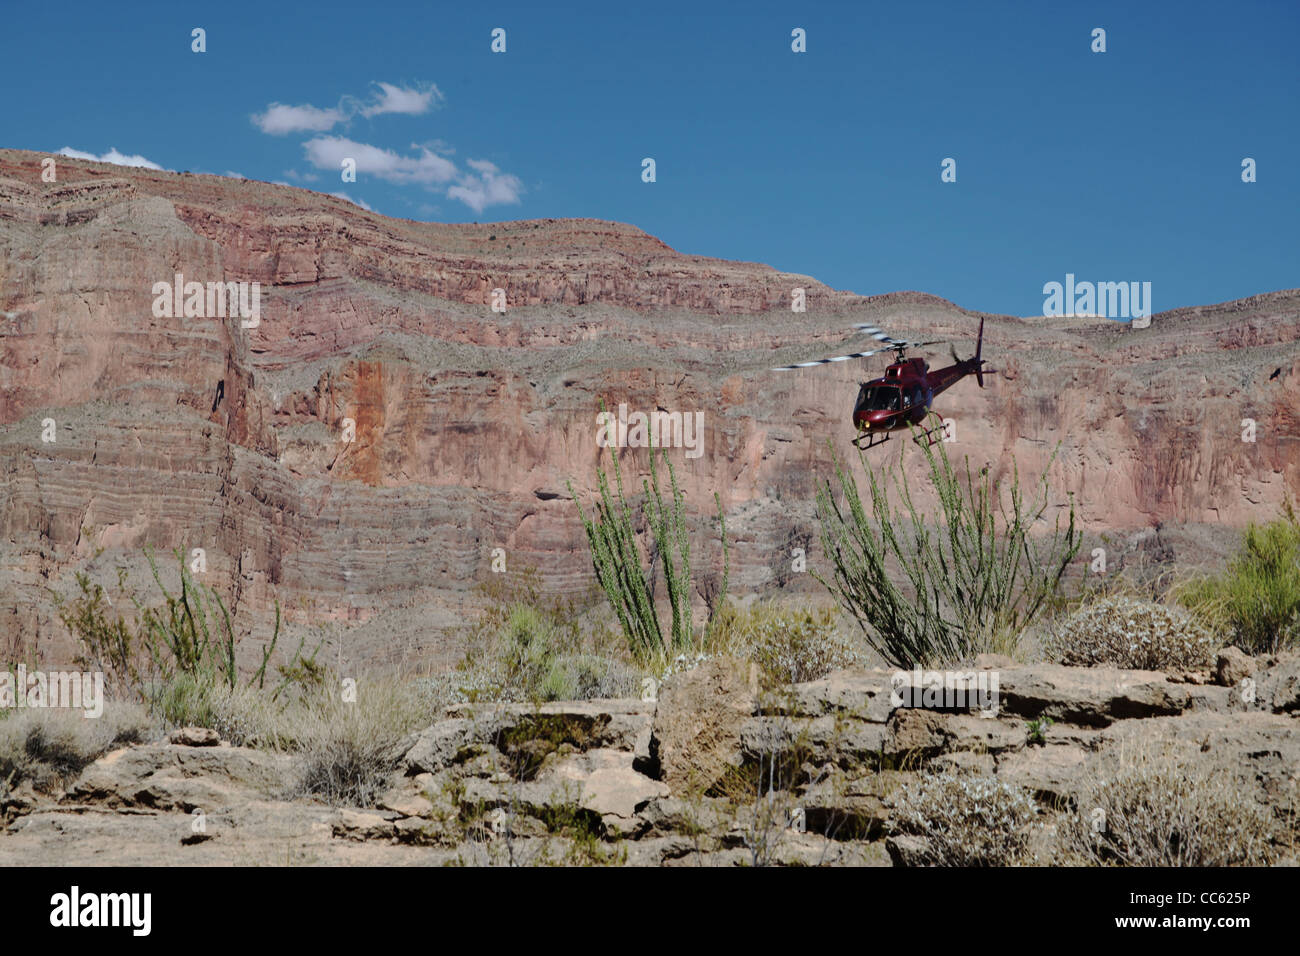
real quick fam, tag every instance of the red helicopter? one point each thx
(902, 396)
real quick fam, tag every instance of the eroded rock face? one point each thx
(196, 432)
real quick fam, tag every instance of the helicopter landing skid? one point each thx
(930, 436)
(873, 439)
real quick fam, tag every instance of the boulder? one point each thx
(162, 776)
(1050, 771)
(907, 850)
(195, 737)
(1278, 683)
(860, 693)
(1089, 696)
(1232, 666)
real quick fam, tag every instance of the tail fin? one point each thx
(979, 347)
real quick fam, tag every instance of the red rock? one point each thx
(469, 422)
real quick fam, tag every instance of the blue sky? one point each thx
(1115, 166)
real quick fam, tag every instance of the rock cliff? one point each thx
(175, 431)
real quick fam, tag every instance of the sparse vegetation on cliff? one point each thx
(977, 573)
(525, 647)
(965, 819)
(1256, 600)
(1122, 631)
(189, 637)
(790, 643)
(1157, 808)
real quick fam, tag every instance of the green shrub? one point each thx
(976, 574)
(190, 636)
(790, 644)
(616, 558)
(1257, 599)
(1121, 631)
(967, 820)
(1158, 809)
(527, 648)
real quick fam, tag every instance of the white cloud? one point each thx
(486, 186)
(112, 156)
(428, 168)
(356, 202)
(411, 101)
(481, 186)
(280, 119)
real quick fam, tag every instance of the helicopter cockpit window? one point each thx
(880, 398)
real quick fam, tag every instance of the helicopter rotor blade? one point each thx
(828, 361)
(881, 336)
(877, 333)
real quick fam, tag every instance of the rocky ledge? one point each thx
(715, 771)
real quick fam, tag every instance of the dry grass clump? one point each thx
(1122, 631)
(50, 746)
(968, 820)
(791, 644)
(347, 740)
(346, 736)
(1159, 808)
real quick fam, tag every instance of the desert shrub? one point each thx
(1257, 599)
(528, 648)
(245, 716)
(1122, 631)
(616, 558)
(49, 746)
(346, 766)
(347, 751)
(976, 574)
(1159, 809)
(790, 644)
(589, 677)
(967, 820)
(190, 635)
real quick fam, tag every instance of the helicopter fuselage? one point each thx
(903, 395)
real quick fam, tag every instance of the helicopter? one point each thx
(903, 395)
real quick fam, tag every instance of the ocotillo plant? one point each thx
(617, 561)
(977, 573)
(192, 636)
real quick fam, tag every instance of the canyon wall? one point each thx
(196, 432)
